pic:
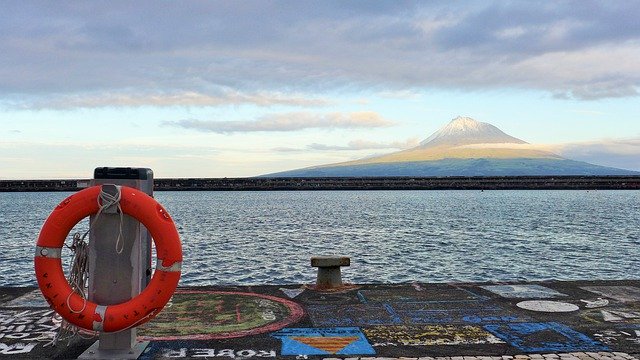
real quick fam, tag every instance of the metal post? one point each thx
(117, 277)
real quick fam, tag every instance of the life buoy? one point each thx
(108, 318)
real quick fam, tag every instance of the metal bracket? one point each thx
(94, 352)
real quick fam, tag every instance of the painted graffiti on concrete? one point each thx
(620, 293)
(455, 312)
(327, 299)
(618, 315)
(351, 315)
(417, 335)
(16, 348)
(523, 291)
(592, 304)
(621, 315)
(547, 306)
(544, 337)
(27, 325)
(411, 313)
(426, 293)
(618, 336)
(314, 341)
(222, 353)
(204, 315)
(292, 293)
(574, 355)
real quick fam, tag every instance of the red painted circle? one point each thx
(295, 314)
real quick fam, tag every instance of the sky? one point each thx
(245, 88)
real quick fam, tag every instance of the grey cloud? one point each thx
(217, 98)
(604, 90)
(620, 153)
(298, 46)
(365, 145)
(288, 122)
(522, 28)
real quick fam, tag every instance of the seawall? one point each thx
(354, 183)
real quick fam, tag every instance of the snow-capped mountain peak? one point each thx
(463, 123)
(465, 130)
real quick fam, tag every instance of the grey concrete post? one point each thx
(117, 277)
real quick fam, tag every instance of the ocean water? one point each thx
(244, 238)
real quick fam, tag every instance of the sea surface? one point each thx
(245, 238)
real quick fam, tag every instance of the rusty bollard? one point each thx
(329, 276)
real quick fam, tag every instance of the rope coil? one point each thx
(78, 279)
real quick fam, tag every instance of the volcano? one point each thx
(463, 147)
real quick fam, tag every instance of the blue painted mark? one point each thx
(394, 315)
(362, 298)
(323, 341)
(452, 313)
(426, 295)
(412, 313)
(544, 337)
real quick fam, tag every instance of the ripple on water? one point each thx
(243, 238)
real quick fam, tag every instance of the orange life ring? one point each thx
(108, 318)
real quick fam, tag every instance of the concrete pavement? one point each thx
(570, 320)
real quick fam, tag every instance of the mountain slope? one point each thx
(461, 167)
(464, 147)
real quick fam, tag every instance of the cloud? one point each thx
(288, 122)
(621, 153)
(186, 98)
(284, 149)
(525, 146)
(353, 145)
(40, 160)
(366, 145)
(580, 50)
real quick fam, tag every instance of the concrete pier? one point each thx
(569, 320)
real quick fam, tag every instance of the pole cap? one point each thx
(330, 261)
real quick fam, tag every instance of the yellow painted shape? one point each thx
(330, 344)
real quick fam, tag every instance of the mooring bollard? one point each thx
(329, 276)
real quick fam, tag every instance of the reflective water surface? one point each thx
(391, 236)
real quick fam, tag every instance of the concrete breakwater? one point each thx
(355, 183)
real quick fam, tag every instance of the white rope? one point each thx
(79, 272)
(105, 200)
(77, 278)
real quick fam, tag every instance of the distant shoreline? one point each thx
(352, 183)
